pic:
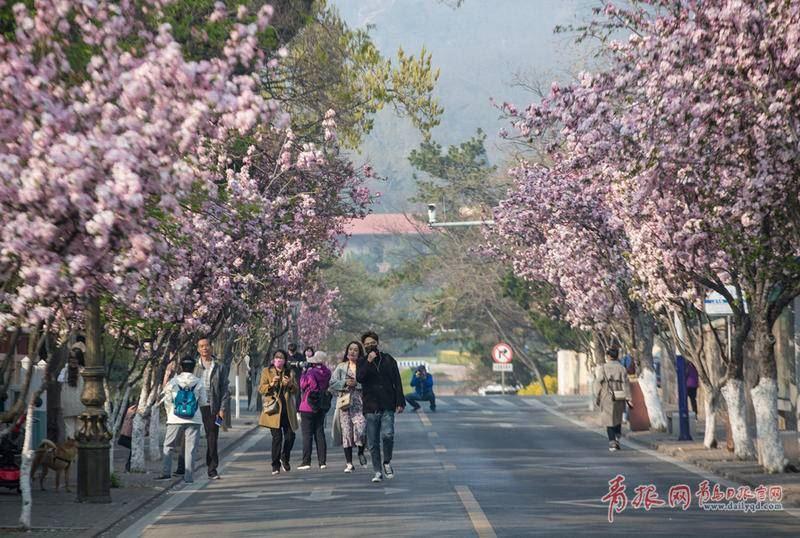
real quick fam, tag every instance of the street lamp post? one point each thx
(94, 478)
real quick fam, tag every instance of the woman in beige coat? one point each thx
(612, 391)
(279, 383)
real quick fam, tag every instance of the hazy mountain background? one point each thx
(483, 48)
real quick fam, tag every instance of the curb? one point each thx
(97, 531)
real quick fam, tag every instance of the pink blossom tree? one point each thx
(694, 128)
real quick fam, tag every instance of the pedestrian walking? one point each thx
(314, 405)
(422, 382)
(691, 385)
(383, 397)
(71, 389)
(611, 391)
(126, 433)
(215, 380)
(349, 422)
(278, 387)
(184, 395)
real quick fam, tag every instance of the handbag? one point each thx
(271, 404)
(344, 400)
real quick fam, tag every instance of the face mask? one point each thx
(278, 363)
(371, 347)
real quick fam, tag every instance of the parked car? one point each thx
(496, 388)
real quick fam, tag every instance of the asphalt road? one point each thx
(481, 466)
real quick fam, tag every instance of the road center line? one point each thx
(138, 528)
(479, 520)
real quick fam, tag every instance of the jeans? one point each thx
(172, 441)
(282, 442)
(412, 398)
(212, 434)
(380, 428)
(614, 432)
(313, 426)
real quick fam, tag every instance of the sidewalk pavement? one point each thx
(59, 513)
(718, 461)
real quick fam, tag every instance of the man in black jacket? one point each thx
(382, 398)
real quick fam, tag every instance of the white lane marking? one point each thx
(320, 494)
(424, 418)
(479, 520)
(529, 401)
(590, 503)
(505, 425)
(504, 403)
(470, 403)
(433, 434)
(487, 412)
(711, 477)
(439, 449)
(138, 528)
(448, 466)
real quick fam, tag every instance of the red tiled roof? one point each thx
(385, 224)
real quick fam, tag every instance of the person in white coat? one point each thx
(184, 395)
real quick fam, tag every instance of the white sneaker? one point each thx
(388, 471)
(323, 466)
(275, 472)
(377, 477)
(304, 468)
(349, 468)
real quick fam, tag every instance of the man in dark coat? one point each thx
(382, 398)
(214, 375)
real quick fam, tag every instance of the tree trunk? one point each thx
(119, 416)
(712, 403)
(733, 391)
(155, 452)
(770, 447)
(137, 436)
(25, 469)
(647, 374)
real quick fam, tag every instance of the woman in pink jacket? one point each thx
(314, 405)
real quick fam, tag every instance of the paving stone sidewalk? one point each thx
(718, 461)
(57, 513)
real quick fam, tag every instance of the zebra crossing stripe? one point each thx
(467, 402)
(504, 403)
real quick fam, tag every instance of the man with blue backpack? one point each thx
(184, 395)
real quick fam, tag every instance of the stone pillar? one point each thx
(94, 475)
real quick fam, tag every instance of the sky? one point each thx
(481, 48)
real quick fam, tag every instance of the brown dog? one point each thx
(57, 457)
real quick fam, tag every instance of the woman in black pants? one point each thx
(278, 383)
(313, 387)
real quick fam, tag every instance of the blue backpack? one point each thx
(185, 404)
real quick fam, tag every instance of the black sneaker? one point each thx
(285, 466)
(362, 459)
(164, 477)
